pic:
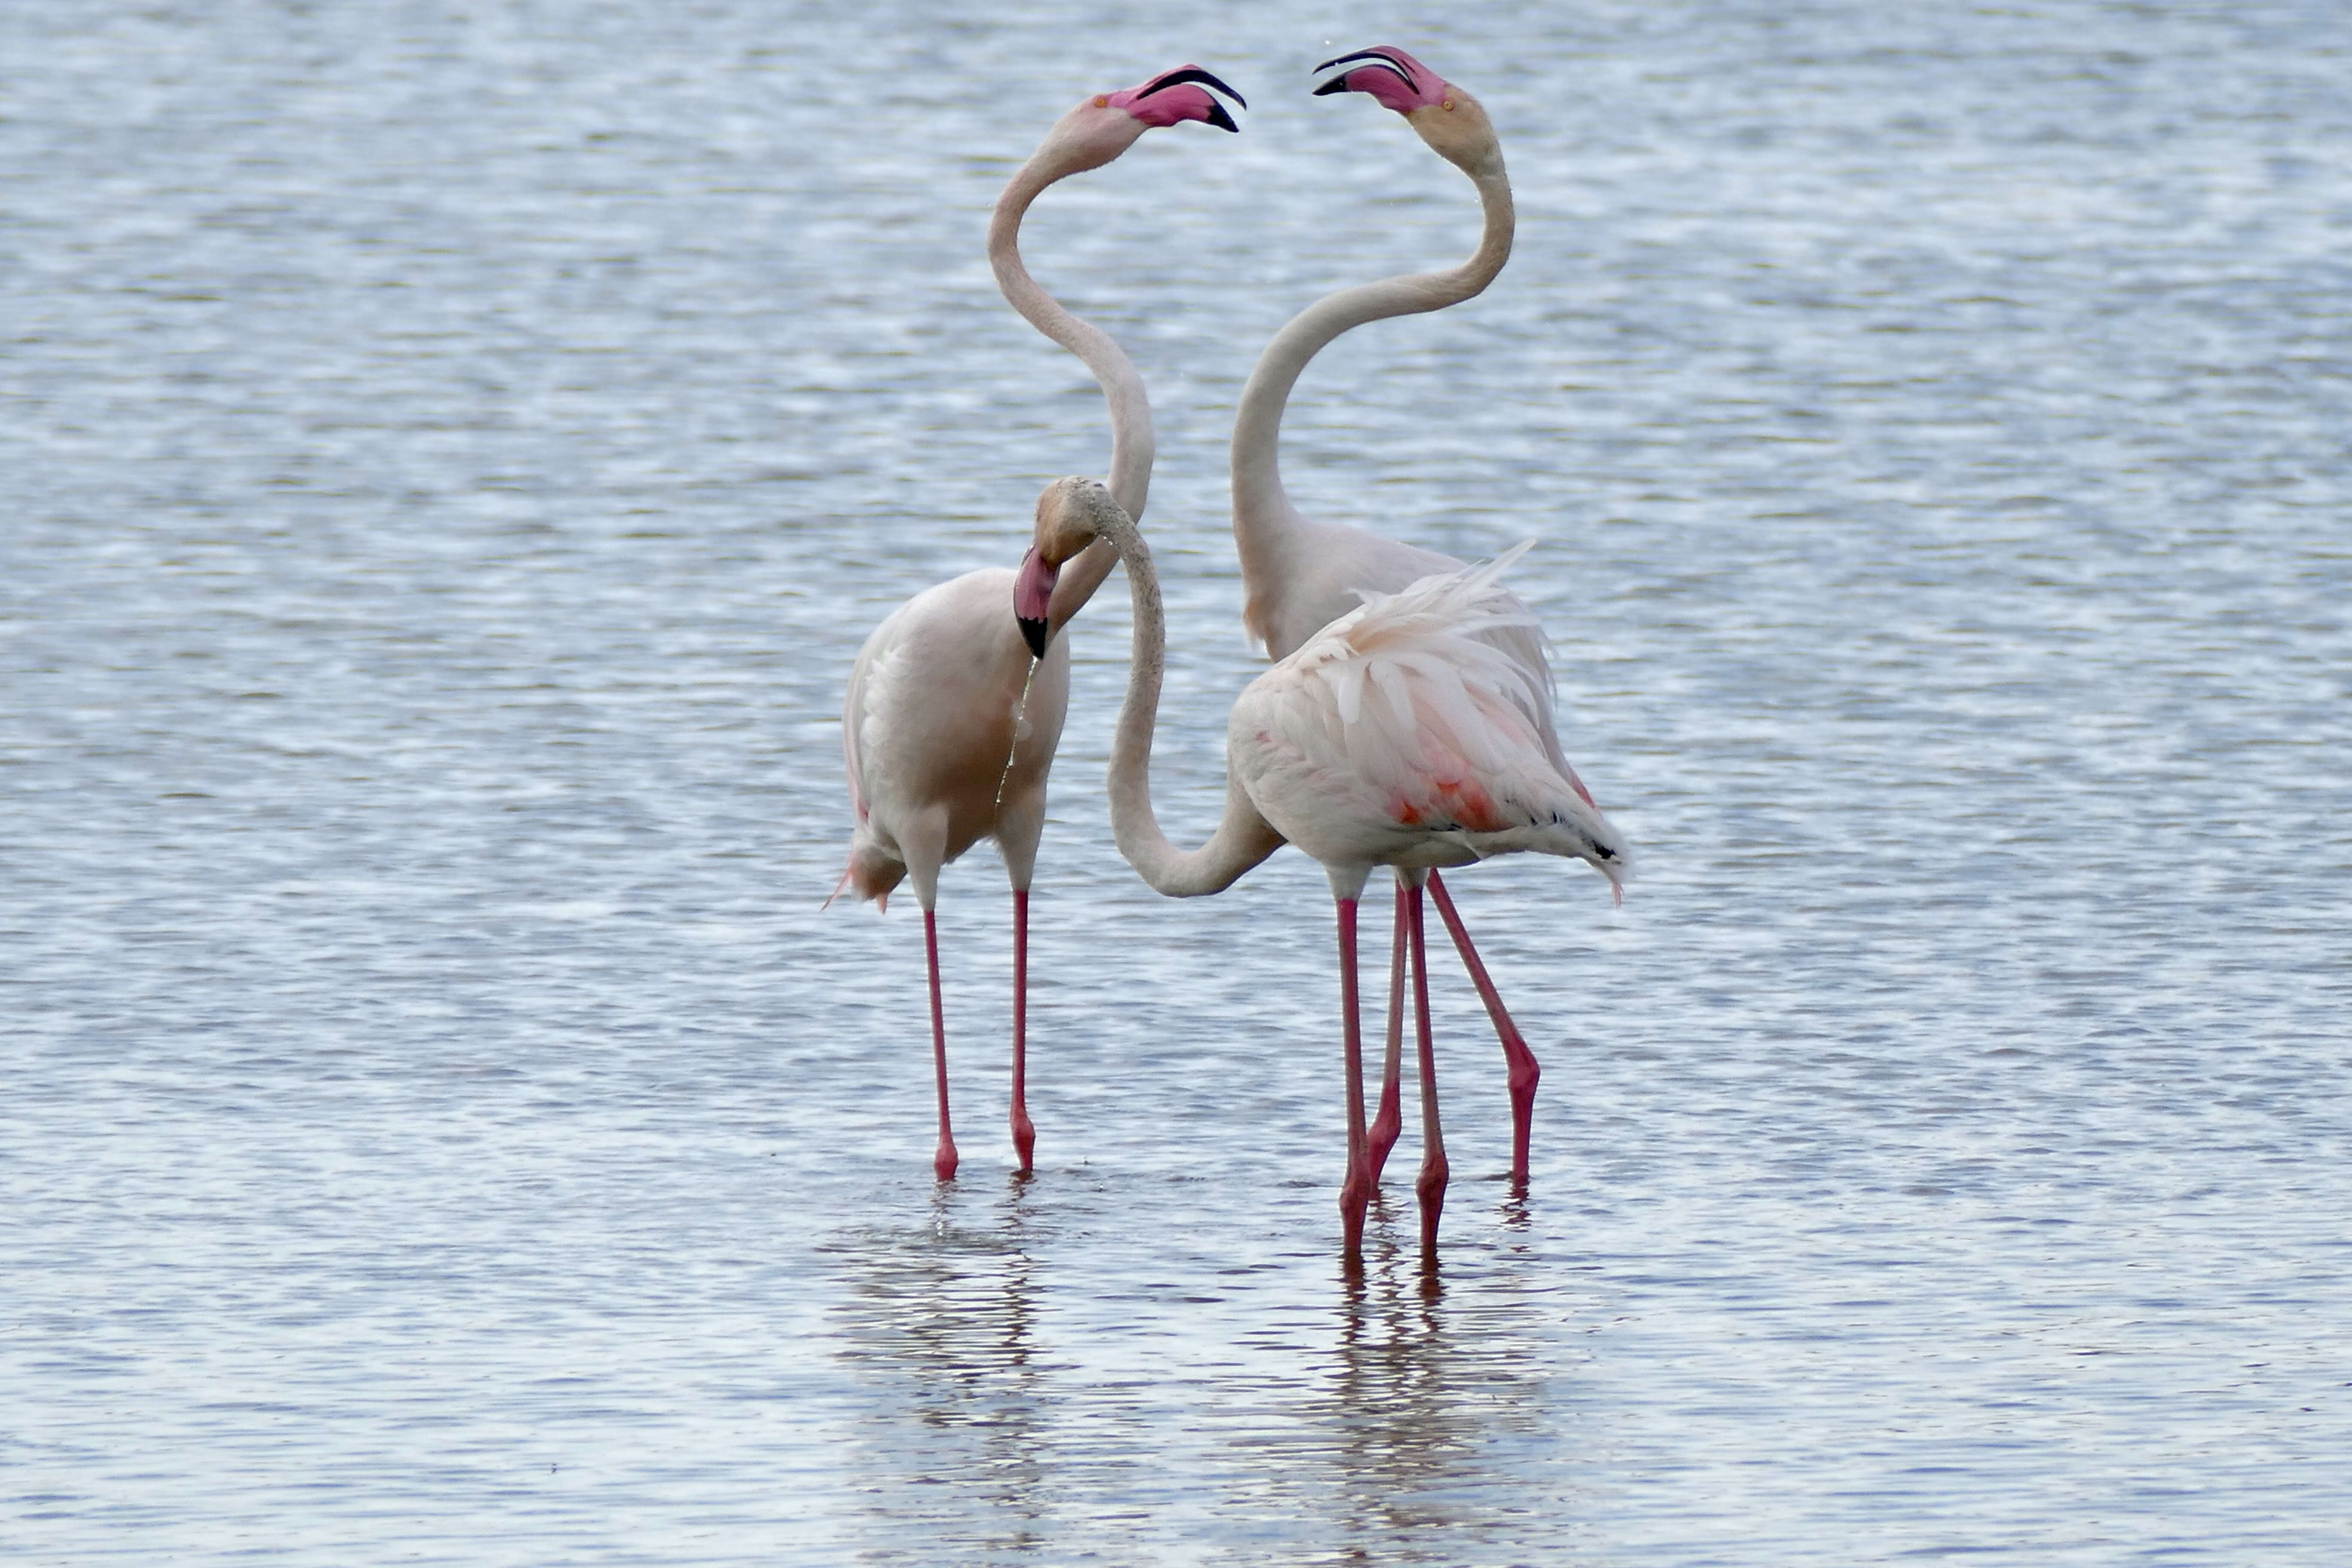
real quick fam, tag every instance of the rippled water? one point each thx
(450, 456)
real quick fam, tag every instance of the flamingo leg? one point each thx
(1431, 1185)
(1390, 1119)
(1523, 1068)
(1024, 1134)
(944, 1163)
(1356, 1192)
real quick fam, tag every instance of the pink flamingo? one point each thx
(950, 725)
(1300, 574)
(1399, 735)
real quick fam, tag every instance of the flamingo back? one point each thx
(1415, 732)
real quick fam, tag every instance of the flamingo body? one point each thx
(1401, 736)
(942, 747)
(1318, 572)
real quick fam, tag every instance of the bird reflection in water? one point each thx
(1432, 1407)
(1398, 1419)
(937, 1326)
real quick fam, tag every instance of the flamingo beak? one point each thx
(1204, 102)
(1032, 601)
(1387, 75)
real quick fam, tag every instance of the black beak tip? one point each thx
(1336, 84)
(1034, 634)
(1219, 118)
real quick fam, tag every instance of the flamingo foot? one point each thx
(1355, 1197)
(1024, 1140)
(943, 1164)
(1386, 1125)
(1525, 1073)
(1430, 1189)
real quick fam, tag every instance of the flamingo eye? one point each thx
(1101, 101)
(1447, 104)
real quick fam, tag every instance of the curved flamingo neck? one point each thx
(1132, 447)
(1265, 522)
(1242, 837)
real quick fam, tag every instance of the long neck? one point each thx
(1262, 515)
(1131, 443)
(1242, 837)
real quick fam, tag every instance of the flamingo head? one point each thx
(1072, 514)
(1454, 123)
(1107, 124)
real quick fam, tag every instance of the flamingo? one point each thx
(1300, 574)
(949, 728)
(1401, 735)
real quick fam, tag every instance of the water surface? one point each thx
(450, 457)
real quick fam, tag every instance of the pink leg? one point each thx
(1521, 1061)
(1390, 1119)
(1025, 1135)
(944, 1163)
(1431, 1186)
(1356, 1192)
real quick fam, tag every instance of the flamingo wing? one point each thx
(1411, 733)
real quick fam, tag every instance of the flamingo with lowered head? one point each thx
(948, 731)
(1301, 573)
(1401, 735)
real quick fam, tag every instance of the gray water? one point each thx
(449, 456)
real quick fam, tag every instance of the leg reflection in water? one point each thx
(937, 1332)
(1435, 1416)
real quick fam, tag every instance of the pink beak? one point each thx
(1032, 600)
(1389, 74)
(1170, 98)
